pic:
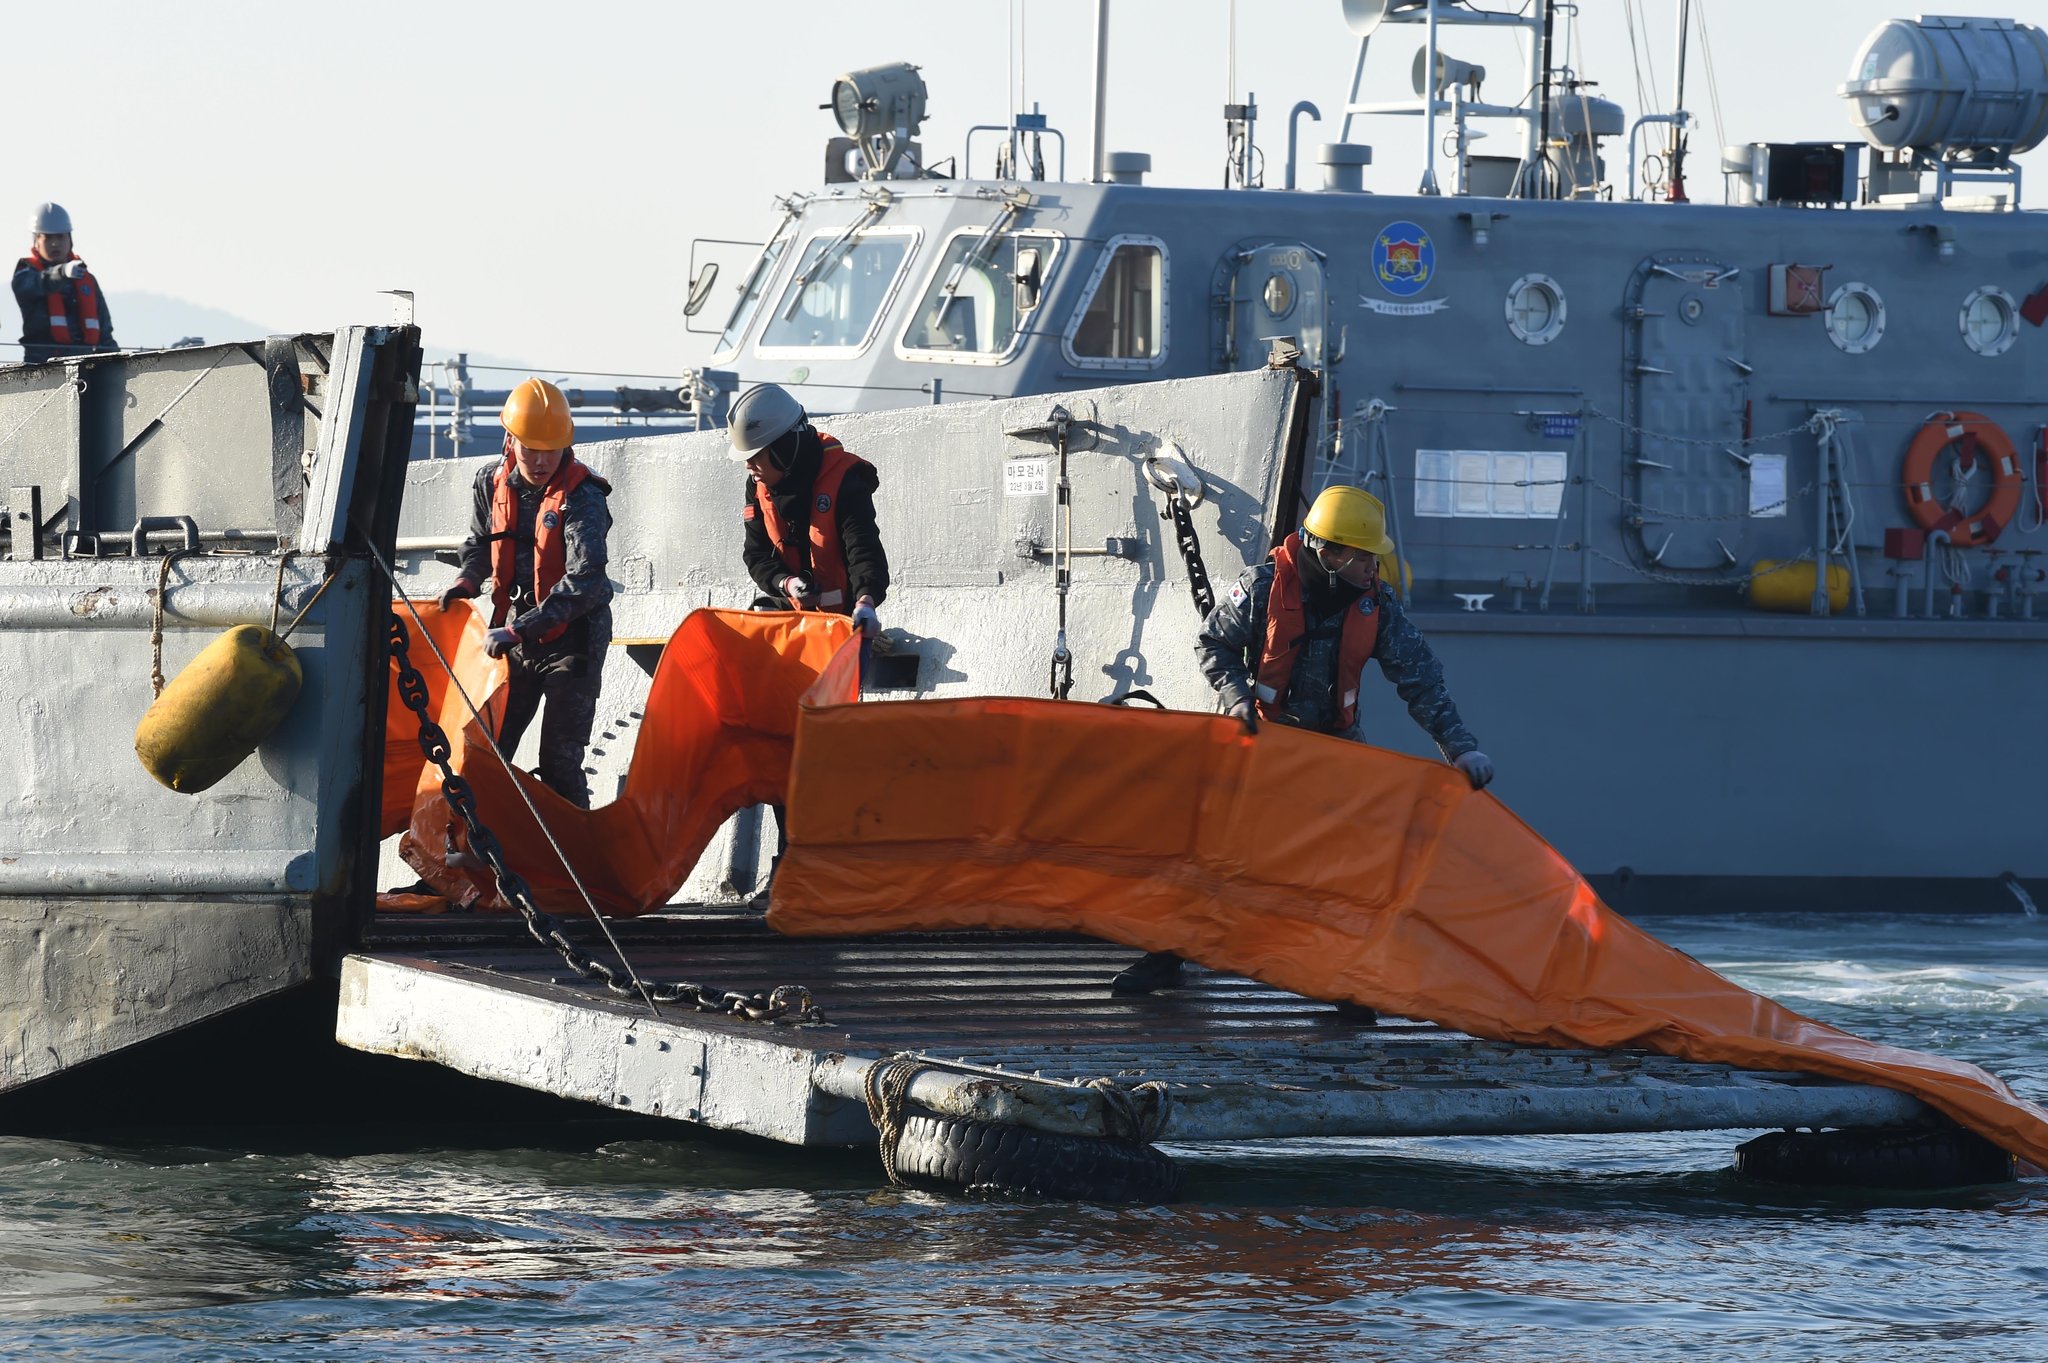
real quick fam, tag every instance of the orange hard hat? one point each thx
(537, 415)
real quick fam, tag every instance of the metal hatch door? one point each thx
(1685, 485)
(1276, 289)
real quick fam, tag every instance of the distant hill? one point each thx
(150, 321)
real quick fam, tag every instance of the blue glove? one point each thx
(865, 619)
(1477, 766)
(500, 641)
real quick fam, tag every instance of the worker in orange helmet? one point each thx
(537, 531)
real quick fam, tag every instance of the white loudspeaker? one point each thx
(1449, 71)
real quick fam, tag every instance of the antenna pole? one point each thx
(1542, 167)
(1676, 193)
(1429, 118)
(1101, 170)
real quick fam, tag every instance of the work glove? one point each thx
(1477, 766)
(72, 269)
(795, 588)
(865, 620)
(1247, 714)
(462, 589)
(500, 641)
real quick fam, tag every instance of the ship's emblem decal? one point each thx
(1403, 259)
(824, 502)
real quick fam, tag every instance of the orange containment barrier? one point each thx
(459, 634)
(1332, 869)
(714, 737)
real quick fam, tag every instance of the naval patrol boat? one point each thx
(1723, 516)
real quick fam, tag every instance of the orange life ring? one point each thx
(1972, 437)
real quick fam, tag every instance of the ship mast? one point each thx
(1675, 192)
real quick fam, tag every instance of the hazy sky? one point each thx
(535, 172)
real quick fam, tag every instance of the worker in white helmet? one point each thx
(62, 309)
(811, 538)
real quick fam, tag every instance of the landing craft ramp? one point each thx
(1009, 1029)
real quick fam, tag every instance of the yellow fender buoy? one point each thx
(214, 713)
(1781, 585)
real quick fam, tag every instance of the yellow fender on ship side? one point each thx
(213, 714)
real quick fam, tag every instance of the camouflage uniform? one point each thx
(568, 672)
(1234, 636)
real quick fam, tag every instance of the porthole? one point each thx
(1855, 317)
(1990, 321)
(1279, 294)
(1535, 309)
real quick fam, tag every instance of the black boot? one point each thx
(1153, 970)
(1357, 1013)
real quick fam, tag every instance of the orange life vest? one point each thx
(1286, 632)
(87, 290)
(550, 549)
(827, 570)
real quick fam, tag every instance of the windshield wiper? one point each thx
(829, 259)
(1012, 206)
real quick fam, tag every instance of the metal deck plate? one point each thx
(1014, 1028)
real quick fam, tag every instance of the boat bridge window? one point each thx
(970, 307)
(838, 291)
(750, 295)
(1123, 320)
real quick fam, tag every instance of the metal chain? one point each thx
(156, 621)
(1811, 425)
(1668, 514)
(1729, 580)
(1136, 1114)
(1191, 553)
(785, 1003)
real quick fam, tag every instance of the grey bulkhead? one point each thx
(1662, 391)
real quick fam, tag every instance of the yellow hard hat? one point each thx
(537, 415)
(1349, 515)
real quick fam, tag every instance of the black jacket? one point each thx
(32, 288)
(867, 564)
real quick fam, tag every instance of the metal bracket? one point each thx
(25, 523)
(145, 526)
(1055, 427)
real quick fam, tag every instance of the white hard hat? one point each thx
(761, 416)
(51, 219)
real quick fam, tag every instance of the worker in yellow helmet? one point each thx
(537, 530)
(1289, 643)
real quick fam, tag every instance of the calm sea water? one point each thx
(1622, 1248)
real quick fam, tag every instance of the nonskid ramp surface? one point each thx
(1012, 1028)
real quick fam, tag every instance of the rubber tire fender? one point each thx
(950, 1155)
(1875, 1157)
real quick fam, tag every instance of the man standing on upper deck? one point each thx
(811, 538)
(62, 310)
(1289, 645)
(538, 528)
